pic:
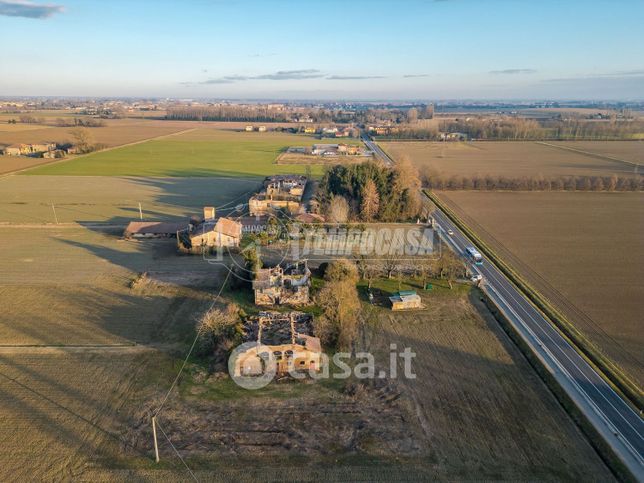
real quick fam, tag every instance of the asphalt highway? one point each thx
(616, 421)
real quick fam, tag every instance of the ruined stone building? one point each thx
(282, 191)
(283, 286)
(288, 337)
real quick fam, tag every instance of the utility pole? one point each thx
(140, 212)
(154, 432)
(54, 209)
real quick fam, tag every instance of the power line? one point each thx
(194, 343)
(177, 452)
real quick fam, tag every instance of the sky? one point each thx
(332, 49)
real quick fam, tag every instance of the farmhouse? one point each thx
(325, 149)
(329, 131)
(288, 337)
(12, 150)
(405, 299)
(54, 154)
(28, 149)
(279, 192)
(210, 233)
(280, 286)
(453, 136)
(383, 130)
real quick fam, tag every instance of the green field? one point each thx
(202, 152)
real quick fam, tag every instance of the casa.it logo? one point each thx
(252, 365)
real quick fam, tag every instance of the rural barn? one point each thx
(152, 229)
(288, 336)
(405, 300)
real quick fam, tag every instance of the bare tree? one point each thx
(370, 201)
(340, 305)
(412, 115)
(451, 267)
(217, 326)
(338, 209)
(83, 139)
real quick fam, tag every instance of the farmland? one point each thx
(70, 401)
(473, 391)
(114, 133)
(200, 152)
(28, 199)
(89, 407)
(628, 151)
(575, 250)
(516, 159)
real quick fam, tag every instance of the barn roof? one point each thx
(153, 228)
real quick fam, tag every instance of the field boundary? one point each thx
(592, 155)
(604, 366)
(111, 148)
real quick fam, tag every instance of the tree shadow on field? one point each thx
(199, 191)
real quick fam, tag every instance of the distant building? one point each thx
(54, 154)
(453, 136)
(29, 149)
(405, 300)
(12, 150)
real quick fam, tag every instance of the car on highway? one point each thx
(476, 278)
(450, 232)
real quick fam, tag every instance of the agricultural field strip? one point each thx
(111, 148)
(198, 153)
(604, 401)
(588, 153)
(602, 329)
(542, 324)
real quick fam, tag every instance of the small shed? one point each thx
(405, 300)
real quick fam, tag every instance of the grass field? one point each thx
(473, 392)
(28, 199)
(202, 152)
(583, 251)
(515, 159)
(87, 409)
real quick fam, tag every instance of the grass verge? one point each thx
(597, 442)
